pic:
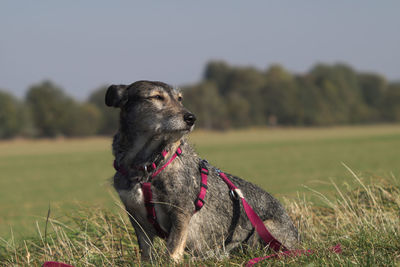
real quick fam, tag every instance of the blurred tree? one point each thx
(372, 88)
(206, 103)
(340, 89)
(243, 88)
(218, 72)
(49, 108)
(391, 103)
(83, 120)
(312, 108)
(279, 96)
(240, 87)
(11, 122)
(108, 116)
(238, 110)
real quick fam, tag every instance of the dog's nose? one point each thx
(189, 118)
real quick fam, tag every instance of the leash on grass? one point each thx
(55, 264)
(292, 253)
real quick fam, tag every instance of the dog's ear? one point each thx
(115, 96)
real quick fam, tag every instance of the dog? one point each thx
(152, 128)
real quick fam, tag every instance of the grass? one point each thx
(67, 174)
(364, 220)
(63, 173)
(36, 174)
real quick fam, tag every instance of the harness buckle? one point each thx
(236, 194)
(146, 173)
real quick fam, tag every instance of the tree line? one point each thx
(47, 111)
(227, 97)
(336, 94)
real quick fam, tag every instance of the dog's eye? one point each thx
(158, 97)
(179, 98)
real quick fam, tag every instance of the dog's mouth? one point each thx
(174, 135)
(190, 128)
(185, 130)
(181, 131)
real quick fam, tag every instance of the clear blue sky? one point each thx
(81, 45)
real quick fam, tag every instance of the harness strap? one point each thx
(146, 189)
(148, 195)
(151, 211)
(177, 153)
(199, 202)
(151, 167)
(257, 223)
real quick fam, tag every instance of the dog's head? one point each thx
(154, 108)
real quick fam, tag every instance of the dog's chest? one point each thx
(134, 202)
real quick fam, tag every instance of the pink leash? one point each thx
(55, 264)
(263, 232)
(257, 223)
(292, 253)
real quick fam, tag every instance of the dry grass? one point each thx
(365, 220)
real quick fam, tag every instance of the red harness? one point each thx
(148, 194)
(257, 223)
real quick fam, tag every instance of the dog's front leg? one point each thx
(176, 242)
(145, 240)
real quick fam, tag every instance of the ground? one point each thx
(64, 174)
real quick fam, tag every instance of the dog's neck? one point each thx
(141, 149)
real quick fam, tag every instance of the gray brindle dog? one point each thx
(153, 120)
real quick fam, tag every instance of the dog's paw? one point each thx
(176, 257)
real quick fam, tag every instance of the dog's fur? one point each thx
(152, 119)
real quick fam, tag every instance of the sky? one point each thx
(82, 45)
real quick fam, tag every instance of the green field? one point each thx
(65, 173)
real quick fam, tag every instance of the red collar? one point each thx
(147, 169)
